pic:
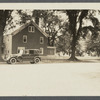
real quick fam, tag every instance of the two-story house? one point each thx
(27, 37)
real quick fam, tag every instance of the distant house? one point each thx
(27, 37)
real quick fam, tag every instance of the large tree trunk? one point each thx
(73, 48)
(2, 26)
(74, 17)
(53, 41)
(48, 41)
(2, 23)
(1, 48)
(73, 29)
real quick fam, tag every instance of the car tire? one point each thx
(20, 59)
(13, 60)
(8, 62)
(36, 60)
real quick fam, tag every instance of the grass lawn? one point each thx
(64, 59)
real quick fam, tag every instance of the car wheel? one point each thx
(36, 60)
(13, 60)
(20, 59)
(8, 62)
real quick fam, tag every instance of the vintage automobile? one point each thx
(29, 55)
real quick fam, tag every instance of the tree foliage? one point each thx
(93, 45)
(52, 26)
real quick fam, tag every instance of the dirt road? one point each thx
(65, 79)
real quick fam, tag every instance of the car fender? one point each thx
(37, 57)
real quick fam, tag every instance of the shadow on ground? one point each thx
(54, 59)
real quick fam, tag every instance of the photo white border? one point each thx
(48, 6)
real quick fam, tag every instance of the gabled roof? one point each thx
(25, 25)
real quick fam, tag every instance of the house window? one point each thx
(41, 40)
(41, 50)
(31, 29)
(24, 38)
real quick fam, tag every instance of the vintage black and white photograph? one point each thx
(51, 51)
(50, 36)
